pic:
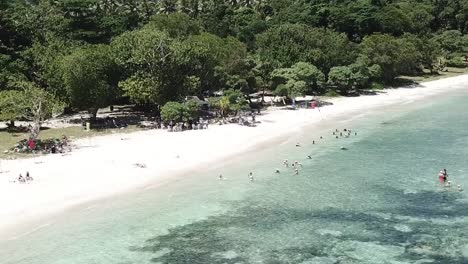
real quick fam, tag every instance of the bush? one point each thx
(456, 62)
(175, 112)
(331, 93)
(376, 86)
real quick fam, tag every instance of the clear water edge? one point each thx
(378, 202)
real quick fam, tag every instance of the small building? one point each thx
(304, 101)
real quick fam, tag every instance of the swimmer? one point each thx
(336, 136)
(448, 184)
(333, 133)
(321, 137)
(250, 173)
(343, 148)
(313, 142)
(297, 144)
(277, 171)
(341, 134)
(300, 164)
(345, 129)
(220, 177)
(459, 188)
(355, 133)
(309, 157)
(296, 171)
(251, 178)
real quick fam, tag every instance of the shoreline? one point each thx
(102, 166)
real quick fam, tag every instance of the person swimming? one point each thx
(296, 171)
(459, 188)
(220, 177)
(277, 171)
(309, 157)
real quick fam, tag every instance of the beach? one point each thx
(104, 166)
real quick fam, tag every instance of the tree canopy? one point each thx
(90, 53)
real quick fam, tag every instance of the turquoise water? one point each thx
(377, 202)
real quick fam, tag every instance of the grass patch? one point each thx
(427, 76)
(8, 140)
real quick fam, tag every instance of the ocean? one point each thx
(378, 201)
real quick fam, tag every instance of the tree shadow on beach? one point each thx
(207, 241)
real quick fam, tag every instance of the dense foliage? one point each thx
(89, 53)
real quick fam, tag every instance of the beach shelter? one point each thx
(303, 100)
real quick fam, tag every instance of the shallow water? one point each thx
(377, 202)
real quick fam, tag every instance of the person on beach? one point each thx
(321, 137)
(21, 179)
(28, 178)
(313, 142)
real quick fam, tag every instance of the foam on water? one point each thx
(377, 202)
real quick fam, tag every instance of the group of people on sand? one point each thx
(443, 179)
(24, 179)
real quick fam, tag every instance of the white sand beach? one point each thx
(104, 166)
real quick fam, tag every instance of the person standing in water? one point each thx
(443, 176)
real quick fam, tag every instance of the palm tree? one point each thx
(224, 105)
(167, 7)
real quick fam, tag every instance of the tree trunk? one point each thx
(93, 113)
(35, 129)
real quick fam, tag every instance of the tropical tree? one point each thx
(31, 103)
(88, 75)
(300, 79)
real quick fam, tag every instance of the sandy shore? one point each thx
(104, 166)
